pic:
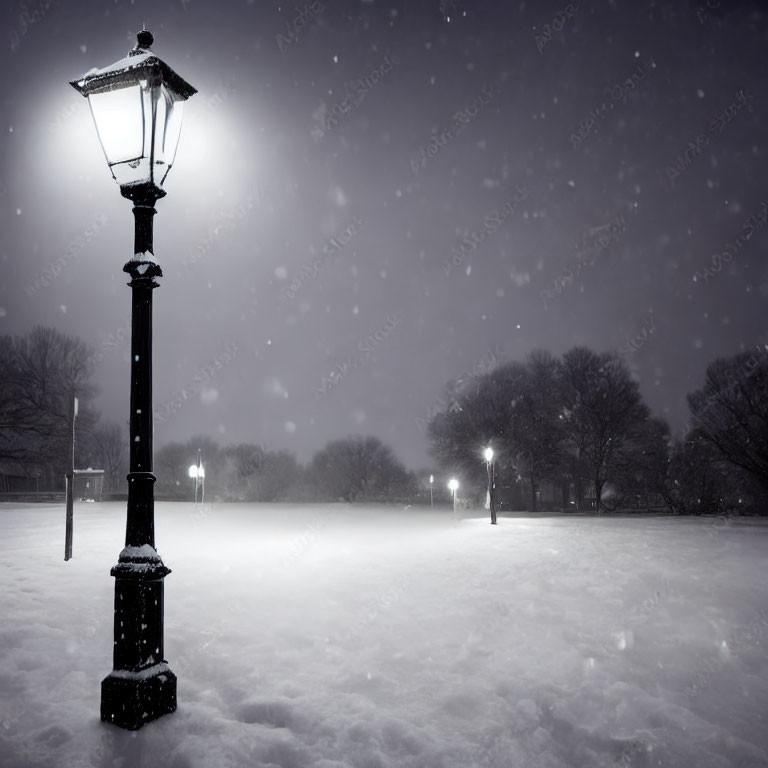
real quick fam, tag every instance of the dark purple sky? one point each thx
(596, 155)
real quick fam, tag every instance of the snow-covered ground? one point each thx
(329, 637)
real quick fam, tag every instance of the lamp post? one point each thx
(197, 472)
(453, 485)
(193, 475)
(70, 500)
(201, 475)
(491, 467)
(431, 485)
(136, 105)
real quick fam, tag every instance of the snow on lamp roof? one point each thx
(140, 64)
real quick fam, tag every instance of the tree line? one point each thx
(578, 426)
(575, 427)
(353, 469)
(42, 373)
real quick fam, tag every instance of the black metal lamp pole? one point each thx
(140, 687)
(139, 90)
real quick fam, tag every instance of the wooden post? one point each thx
(70, 491)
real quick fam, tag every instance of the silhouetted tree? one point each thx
(698, 485)
(642, 466)
(479, 412)
(360, 468)
(12, 426)
(41, 375)
(108, 446)
(731, 411)
(276, 476)
(171, 466)
(602, 408)
(536, 427)
(239, 466)
(547, 420)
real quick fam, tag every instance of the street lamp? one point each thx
(491, 467)
(197, 472)
(70, 500)
(136, 105)
(193, 474)
(453, 485)
(431, 498)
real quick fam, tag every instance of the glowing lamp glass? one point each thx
(139, 128)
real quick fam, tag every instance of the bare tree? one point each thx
(240, 465)
(537, 428)
(360, 468)
(697, 483)
(42, 374)
(602, 407)
(514, 409)
(109, 449)
(478, 413)
(276, 475)
(642, 467)
(171, 463)
(731, 411)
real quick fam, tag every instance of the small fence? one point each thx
(49, 497)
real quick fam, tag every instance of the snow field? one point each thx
(329, 636)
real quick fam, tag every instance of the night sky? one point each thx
(397, 192)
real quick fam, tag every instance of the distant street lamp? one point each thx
(193, 474)
(491, 467)
(197, 472)
(136, 105)
(431, 498)
(453, 485)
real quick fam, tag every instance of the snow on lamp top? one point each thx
(136, 105)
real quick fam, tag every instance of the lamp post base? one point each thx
(131, 700)
(140, 687)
